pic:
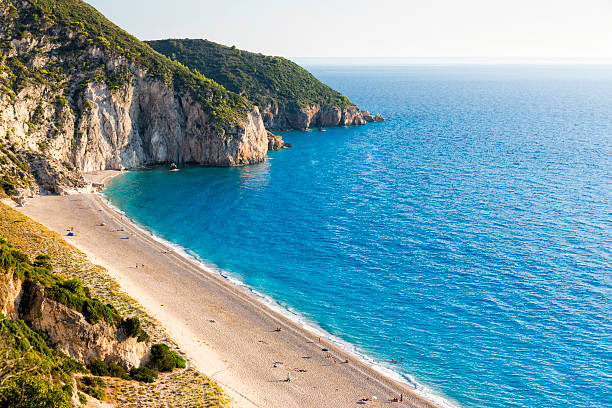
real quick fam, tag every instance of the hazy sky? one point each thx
(381, 28)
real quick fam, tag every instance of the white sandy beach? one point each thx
(225, 332)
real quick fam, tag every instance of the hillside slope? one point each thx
(77, 94)
(50, 328)
(288, 96)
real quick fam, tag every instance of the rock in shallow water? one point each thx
(275, 142)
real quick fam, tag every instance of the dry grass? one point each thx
(185, 388)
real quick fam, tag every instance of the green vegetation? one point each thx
(180, 388)
(103, 369)
(25, 391)
(80, 28)
(132, 328)
(69, 292)
(264, 80)
(93, 386)
(31, 373)
(34, 375)
(73, 294)
(143, 374)
(164, 359)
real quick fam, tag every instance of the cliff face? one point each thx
(315, 116)
(71, 333)
(10, 296)
(67, 329)
(71, 104)
(146, 123)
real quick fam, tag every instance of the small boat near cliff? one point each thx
(173, 167)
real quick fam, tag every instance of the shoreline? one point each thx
(295, 317)
(101, 177)
(363, 376)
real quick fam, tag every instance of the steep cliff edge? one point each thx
(81, 327)
(78, 94)
(50, 328)
(70, 332)
(288, 96)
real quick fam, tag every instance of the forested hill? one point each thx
(261, 78)
(281, 88)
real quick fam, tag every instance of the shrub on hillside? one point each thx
(103, 369)
(164, 359)
(26, 391)
(143, 374)
(92, 386)
(131, 325)
(43, 261)
(132, 328)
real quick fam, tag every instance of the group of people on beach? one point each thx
(374, 398)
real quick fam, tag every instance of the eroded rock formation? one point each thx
(67, 329)
(275, 142)
(315, 116)
(142, 124)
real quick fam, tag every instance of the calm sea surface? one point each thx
(469, 236)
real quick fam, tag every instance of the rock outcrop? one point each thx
(288, 96)
(71, 333)
(67, 329)
(315, 116)
(275, 142)
(79, 94)
(145, 123)
(10, 296)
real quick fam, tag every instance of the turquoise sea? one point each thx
(469, 236)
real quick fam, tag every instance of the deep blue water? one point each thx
(470, 234)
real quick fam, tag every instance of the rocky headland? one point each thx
(79, 94)
(288, 96)
(316, 116)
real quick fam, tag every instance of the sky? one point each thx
(382, 28)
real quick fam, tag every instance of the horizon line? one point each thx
(484, 60)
